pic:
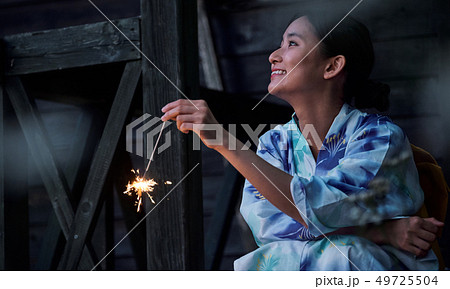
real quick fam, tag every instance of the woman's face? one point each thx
(296, 67)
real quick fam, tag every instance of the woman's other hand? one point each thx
(413, 234)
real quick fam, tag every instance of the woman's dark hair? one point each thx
(351, 39)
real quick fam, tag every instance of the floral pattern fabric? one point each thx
(329, 193)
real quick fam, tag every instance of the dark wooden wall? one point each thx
(18, 16)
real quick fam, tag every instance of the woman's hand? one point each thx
(198, 118)
(255, 169)
(413, 234)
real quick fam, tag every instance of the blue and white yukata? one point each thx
(358, 148)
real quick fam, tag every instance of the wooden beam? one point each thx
(89, 202)
(175, 228)
(35, 135)
(70, 47)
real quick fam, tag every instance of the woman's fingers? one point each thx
(176, 103)
(175, 111)
(197, 117)
(422, 233)
(421, 244)
(426, 235)
(185, 119)
(413, 249)
(432, 225)
(196, 104)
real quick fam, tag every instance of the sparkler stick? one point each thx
(154, 148)
(141, 184)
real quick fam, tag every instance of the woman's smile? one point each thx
(278, 72)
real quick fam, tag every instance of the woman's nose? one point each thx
(275, 57)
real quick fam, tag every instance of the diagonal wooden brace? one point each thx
(35, 135)
(99, 168)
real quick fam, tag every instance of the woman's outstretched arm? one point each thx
(412, 234)
(271, 182)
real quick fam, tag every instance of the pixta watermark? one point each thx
(141, 135)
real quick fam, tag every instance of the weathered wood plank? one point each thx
(37, 15)
(246, 74)
(208, 59)
(406, 58)
(394, 59)
(130, 218)
(89, 202)
(425, 132)
(220, 224)
(243, 5)
(35, 135)
(2, 183)
(260, 30)
(169, 38)
(444, 107)
(414, 97)
(51, 238)
(17, 253)
(70, 47)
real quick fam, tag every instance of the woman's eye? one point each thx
(292, 43)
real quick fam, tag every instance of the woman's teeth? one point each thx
(278, 72)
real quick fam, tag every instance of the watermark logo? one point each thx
(146, 128)
(142, 135)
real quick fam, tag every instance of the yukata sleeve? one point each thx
(378, 153)
(267, 222)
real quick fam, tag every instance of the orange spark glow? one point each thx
(140, 186)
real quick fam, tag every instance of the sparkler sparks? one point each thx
(139, 186)
(142, 185)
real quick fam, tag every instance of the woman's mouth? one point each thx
(278, 72)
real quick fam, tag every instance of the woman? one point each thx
(300, 194)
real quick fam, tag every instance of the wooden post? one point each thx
(175, 227)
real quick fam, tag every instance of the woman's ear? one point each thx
(334, 66)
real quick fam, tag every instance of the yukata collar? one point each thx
(345, 110)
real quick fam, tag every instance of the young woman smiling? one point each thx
(300, 196)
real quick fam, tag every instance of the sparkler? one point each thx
(142, 185)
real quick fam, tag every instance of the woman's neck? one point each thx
(315, 118)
